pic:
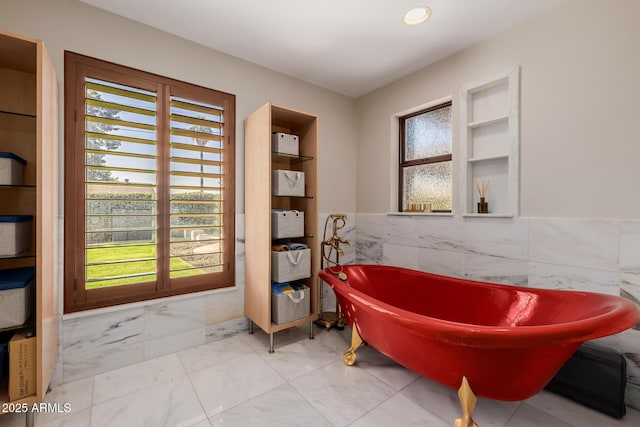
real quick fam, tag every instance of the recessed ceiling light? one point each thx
(416, 15)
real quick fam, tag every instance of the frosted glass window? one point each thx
(425, 165)
(428, 134)
(430, 183)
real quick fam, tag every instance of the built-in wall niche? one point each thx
(489, 145)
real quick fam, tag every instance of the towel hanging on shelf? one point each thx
(297, 246)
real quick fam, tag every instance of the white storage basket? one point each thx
(290, 306)
(287, 183)
(287, 266)
(15, 234)
(287, 224)
(285, 143)
(15, 296)
(11, 168)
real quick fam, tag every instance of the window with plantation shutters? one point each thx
(149, 191)
(196, 187)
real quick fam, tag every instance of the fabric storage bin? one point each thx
(285, 143)
(287, 183)
(11, 167)
(287, 266)
(286, 224)
(289, 302)
(15, 295)
(15, 234)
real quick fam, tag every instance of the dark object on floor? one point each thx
(594, 376)
(4, 355)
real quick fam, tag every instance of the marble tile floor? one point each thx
(236, 382)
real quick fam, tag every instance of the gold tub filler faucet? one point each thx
(331, 253)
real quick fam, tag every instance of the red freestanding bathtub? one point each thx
(509, 341)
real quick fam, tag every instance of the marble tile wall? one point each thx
(594, 255)
(117, 337)
(580, 254)
(348, 232)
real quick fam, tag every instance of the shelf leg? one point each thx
(311, 336)
(30, 417)
(271, 342)
(250, 327)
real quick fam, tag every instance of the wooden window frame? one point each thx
(403, 163)
(76, 296)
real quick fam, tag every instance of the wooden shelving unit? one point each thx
(260, 161)
(29, 128)
(490, 143)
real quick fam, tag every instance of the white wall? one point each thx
(198, 318)
(579, 224)
(75, 26)
(579, 156)
(579, 111)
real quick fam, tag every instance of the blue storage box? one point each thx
(15, 234)
(16, 289)
(11, 168)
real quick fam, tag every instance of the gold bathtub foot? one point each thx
(468, 403)
(349, 356)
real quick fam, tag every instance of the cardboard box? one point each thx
(287, 266)
(15, 234)
(16, 292)
(11, 168)
(22, 366)
(286, 224)
(285, 143)
(289, 302)
(287, 183)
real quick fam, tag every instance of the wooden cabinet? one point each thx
(29, 128)
(260, 161)
(490, 143)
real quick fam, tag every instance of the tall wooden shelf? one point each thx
(489, 143)
(260, 161)
(29, 128)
